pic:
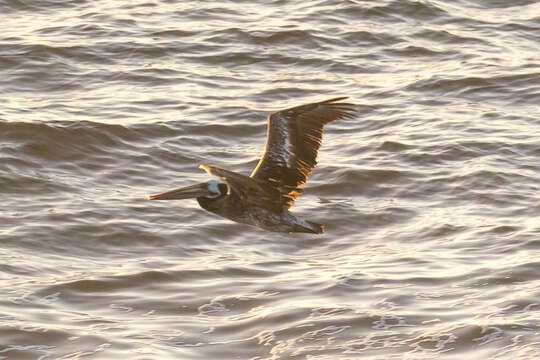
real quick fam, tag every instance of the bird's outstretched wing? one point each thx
(251, 192)
(293, 141)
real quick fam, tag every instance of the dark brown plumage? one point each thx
(262, 199)
(293, 140)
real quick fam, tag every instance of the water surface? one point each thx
(430, 195)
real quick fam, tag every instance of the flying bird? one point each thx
(263, 199)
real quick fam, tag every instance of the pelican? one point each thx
(263, 199)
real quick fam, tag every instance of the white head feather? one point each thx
(214, 188)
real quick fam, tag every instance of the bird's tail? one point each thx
(316, 228)
(304, 226)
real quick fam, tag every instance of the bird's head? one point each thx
(211, 190)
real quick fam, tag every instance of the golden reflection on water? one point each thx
(429, 195)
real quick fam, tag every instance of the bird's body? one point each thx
(263, 199)
(267, 219)
(259, 210)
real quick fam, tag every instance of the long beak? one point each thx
(183, 193)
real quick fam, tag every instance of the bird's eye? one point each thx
(223, 189)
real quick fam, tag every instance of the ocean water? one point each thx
(430, 195)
